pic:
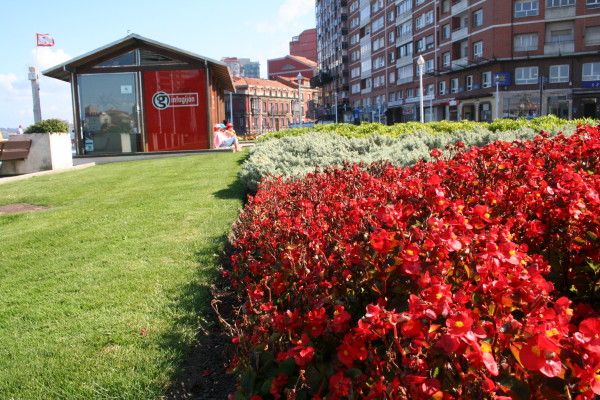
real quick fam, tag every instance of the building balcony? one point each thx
(460, 63)
(366, 74)
(459, 6)
(402, 81)
(557, 13)
(405, 60)
(365, 91)
(403, 38)
(460, 33)
(564, 47)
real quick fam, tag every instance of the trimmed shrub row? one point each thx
(297, 155)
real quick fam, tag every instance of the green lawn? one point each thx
(125, 247)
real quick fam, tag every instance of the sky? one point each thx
(255, 29)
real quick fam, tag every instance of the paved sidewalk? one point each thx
(8, 179)
(80, 162)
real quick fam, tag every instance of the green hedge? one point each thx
(547, 123)
(299, 151)
(48, 126)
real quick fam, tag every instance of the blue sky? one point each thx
(255, 29)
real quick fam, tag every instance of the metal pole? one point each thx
(231, 107)
(300, 96)
(421, 91)
(336, 107)
(497, 98)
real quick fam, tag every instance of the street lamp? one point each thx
(336, 107)
(497, 79)
(420, 63)
(300, 95)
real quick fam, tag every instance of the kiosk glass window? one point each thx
(108, 105)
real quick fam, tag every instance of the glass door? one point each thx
(108, 105)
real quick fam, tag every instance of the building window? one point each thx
(392, 57)
(445, 6)
(406, 29)
(446, 59)
(404, 7)
(391, 37)
(378, 44)
(417, 2)
(559, 3)
(591, 36)
(478, 49)
(431, 88)
(405, 72)
(420, 21)
(478, 18)
(355, 88)
(592, 3)
(446, 31)
(561, 36)
(429, 66)
(454, 85)
(526, 42)
(409, 93)
(429, 42)
(366, 65)
(526, 75)
(405, 50)
(442, 87)
(591, 72)
(469, 82)
(527, 8)
(486, 79)
(355, 72)
(379, 62)
(559, 73)
(377, 25)
(392, 76)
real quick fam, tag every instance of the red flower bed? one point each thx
(475, 277)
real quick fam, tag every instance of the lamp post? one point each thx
(335, 95)
(300, 95)
(497, 79)
(420, 63)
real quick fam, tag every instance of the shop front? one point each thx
(138, 95)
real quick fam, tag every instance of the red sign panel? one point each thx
(175, 110)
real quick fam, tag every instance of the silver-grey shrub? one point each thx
(295, 156)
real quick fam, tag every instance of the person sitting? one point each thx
(221, 139)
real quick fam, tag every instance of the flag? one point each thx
(43, 39)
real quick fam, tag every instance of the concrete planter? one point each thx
(49, 151)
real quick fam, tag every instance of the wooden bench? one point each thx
(14, 149)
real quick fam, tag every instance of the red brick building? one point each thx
(291, 66)
(262, 105)
(482, 59)
(305, 45)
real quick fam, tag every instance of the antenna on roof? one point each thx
(128, 32)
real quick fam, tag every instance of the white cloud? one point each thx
(48, 57)
(289, 15)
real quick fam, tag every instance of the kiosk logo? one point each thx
(162, 100)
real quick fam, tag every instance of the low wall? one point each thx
(49, 151)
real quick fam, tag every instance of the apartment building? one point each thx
(482, 59)
(332, 56)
